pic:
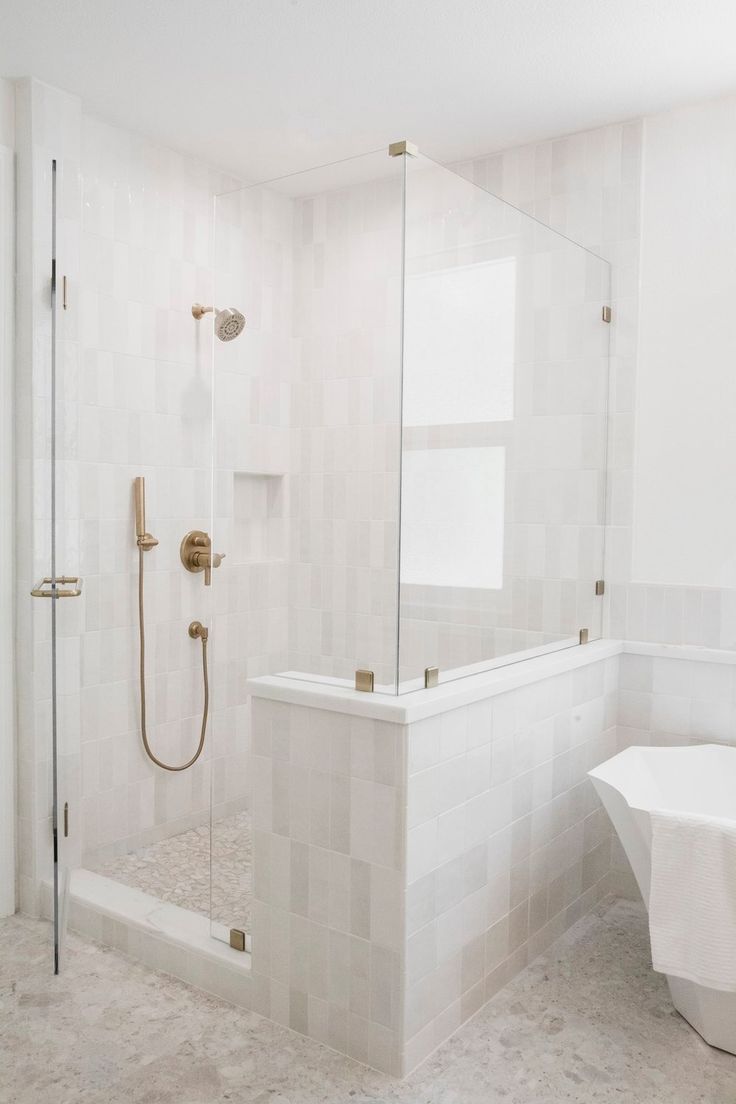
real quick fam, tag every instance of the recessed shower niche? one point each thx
(258, 517)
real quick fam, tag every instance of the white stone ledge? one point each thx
(418, 704)
(679, 651)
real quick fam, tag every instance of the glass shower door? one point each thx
(59, 588)
(121, 394)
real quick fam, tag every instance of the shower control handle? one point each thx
(197, 555)
(206, 561)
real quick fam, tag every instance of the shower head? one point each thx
(229, 323)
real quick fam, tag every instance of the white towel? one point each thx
(692, 898)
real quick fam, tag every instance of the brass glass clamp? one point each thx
(197, 555)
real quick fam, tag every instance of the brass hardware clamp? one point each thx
(63, 586)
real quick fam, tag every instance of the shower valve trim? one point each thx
(196, 554)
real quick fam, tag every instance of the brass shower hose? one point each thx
(195, 629)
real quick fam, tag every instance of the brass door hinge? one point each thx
(431, 677)
(606, 314)
(583, 636)
(600, 587)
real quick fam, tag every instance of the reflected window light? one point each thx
(459, 331)
(452, 523)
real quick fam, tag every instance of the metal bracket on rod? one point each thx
(396, 149)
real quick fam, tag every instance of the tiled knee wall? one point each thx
(507, 843)
(329, 861)
(404, 873)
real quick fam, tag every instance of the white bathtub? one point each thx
(698, 779)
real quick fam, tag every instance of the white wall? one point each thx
(7, 620)
(684, 513)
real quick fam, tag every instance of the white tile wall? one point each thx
(507, 844)
(403, 873)
(142, 405)
(345, 419)
(134, 374)
(329, 861)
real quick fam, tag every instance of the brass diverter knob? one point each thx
(197, 555)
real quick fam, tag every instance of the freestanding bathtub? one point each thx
(699, 779)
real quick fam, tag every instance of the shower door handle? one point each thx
(64, 586)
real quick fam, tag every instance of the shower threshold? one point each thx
(162, 935)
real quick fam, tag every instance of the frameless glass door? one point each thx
(60, 588)
(122, 399)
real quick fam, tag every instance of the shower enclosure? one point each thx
(439, 506)
(402, 458)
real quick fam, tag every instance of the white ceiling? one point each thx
(266, 87)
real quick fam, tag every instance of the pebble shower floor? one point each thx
(177, 870)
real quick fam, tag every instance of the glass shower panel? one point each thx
(344, 482)
(307, 451)
(505, 384)
(307, 414)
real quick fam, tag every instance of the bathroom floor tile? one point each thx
(587, 1023)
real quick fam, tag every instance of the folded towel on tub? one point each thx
(692, 898)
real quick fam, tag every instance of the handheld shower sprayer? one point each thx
(145, 541)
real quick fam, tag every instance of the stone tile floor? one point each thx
(177, 869)
(587, 1023)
